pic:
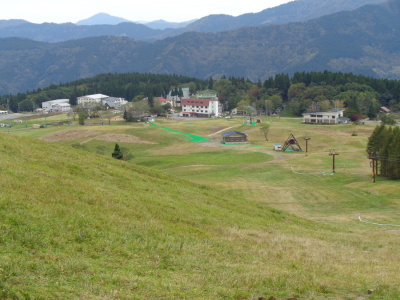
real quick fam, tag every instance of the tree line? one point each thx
(301, 92)
(131, 86)
(383, 149)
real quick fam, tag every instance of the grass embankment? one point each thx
(78, 225)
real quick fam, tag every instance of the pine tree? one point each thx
(371, 114)
(210, 83)
(394, 155)
(375, 141)
(125, 115)
(385, 150)
(117, 154)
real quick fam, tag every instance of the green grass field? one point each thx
(181, 219)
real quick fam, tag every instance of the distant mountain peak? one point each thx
(102, 19)
(162, 24)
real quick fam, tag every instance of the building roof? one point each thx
(385, 109)
(57, 101)
(96, 96)
(233, 132)
(62, 104)
(335, 110)
(162, 99)
(114, 99)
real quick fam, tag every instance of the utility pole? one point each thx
(306, 137)
(333, 153)
(374, 164)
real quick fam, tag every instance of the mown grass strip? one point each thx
(193, 138)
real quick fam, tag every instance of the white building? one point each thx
(59, 105)
(91, 99)
(207, 94)
(163, 101)
(101, 99)
(333, 116)
(115, 103)
(201, 108)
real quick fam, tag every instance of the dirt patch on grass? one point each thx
(122, 138)
(66, 135)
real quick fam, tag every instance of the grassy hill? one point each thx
(76, 224)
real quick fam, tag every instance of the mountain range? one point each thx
(362, 41)
(104, 24)
(106, 19)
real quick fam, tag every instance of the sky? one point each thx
(40, 11)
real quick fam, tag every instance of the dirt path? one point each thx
(217, 144)
(73, 134)
(212, 134)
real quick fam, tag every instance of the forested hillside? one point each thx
(301, 92)
(364, 41)
(131, 86)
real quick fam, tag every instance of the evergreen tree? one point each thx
(375, 141)
(26, 105)
(125, 117)
(371, 111)
(210, 83)
(150, 100)
(117, 154)
(82, 116)
(385, 151)
(393, 168)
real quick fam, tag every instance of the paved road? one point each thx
(13, 116)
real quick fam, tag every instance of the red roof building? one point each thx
(200, 108)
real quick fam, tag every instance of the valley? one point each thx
(183, 219)
(120, 179)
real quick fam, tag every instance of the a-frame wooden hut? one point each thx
(292, 144)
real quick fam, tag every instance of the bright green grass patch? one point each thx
(192, 137)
